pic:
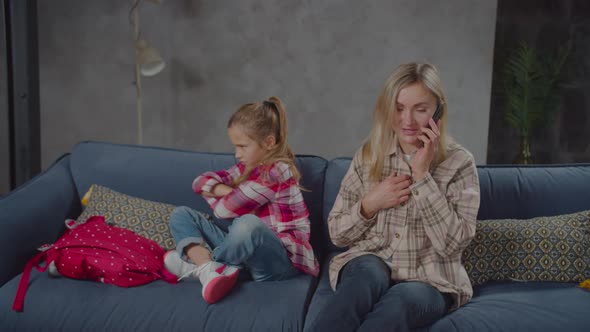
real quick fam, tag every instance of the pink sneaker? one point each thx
(215, 285)
(227, 270)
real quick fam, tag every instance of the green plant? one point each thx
(530, 81)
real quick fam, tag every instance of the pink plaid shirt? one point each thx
(275, 198)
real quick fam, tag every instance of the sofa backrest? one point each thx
(521, 192)
(336, 170)
(165, 175)
(507, 191)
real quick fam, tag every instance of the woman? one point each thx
(406, 209)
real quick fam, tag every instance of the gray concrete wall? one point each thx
(326, 59)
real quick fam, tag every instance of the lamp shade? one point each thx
(148, 58)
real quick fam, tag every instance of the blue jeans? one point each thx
(365, 301)
(248, 242)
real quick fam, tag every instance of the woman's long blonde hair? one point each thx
(260, 120)
(381, 137)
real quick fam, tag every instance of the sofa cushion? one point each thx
(144, 217)
(62, 304)
(508, 306)
(166, 175)
(538, 249)
(323, 292)
(526, 306)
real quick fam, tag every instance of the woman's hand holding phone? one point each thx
(421, 161)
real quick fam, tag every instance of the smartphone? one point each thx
(437, 114)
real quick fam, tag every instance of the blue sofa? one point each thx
(34, 214)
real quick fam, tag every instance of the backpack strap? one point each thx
(19, 299)
(167, 276)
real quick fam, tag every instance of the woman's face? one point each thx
(414, 108)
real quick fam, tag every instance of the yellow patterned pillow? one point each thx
(539, 249)
(146, 218)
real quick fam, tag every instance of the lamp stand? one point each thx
(137, 76)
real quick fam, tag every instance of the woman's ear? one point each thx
(269, 142)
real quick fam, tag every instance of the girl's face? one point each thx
(414, 108)
(248, 151)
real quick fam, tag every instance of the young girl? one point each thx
(270, 231)
(406, 209)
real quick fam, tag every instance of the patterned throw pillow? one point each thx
(539, 249)
(146, 218)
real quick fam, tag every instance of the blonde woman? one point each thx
(406, 209)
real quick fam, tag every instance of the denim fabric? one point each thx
(365, 301)
(248, 242)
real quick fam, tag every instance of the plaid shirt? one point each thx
(421, 240)
(272, 195)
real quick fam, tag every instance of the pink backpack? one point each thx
(96, 251)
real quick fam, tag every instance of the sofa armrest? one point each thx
(34, 214)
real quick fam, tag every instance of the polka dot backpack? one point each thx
(96, 251)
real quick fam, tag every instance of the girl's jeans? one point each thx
(248, 242)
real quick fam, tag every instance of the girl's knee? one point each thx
(247, 226)
(249, 219)
(180, 211)
(182, 216)
(179, 215)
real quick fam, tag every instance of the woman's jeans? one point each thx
(365, 301)
(248, 242)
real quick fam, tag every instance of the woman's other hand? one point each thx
(392, 191)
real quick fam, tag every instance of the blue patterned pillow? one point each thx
(146, 218)
(539, 249)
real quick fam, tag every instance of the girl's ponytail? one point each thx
(282, 129)
(282, 151)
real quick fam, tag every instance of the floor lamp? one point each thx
(148, 62)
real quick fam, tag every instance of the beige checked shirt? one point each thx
(421, 240)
